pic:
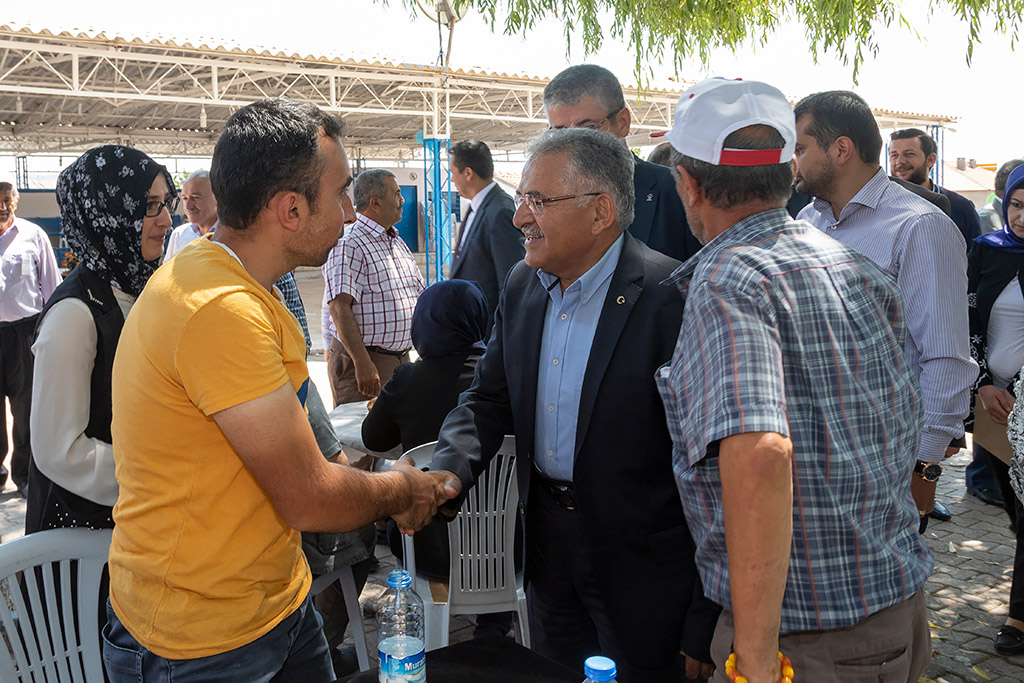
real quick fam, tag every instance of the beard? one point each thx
(919, 176)
(820, 185)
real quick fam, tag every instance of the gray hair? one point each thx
(581, 80)
(370, 184)
(12, 187)
(597, 162)
(197, 175)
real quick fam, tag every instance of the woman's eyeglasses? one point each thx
(154, 207)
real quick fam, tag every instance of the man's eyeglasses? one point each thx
(535, 201)
(592, 126)
(154, 207)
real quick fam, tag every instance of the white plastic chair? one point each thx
(482, 577)
(55, 635)
(343, 575)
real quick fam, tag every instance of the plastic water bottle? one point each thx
(400, 632)
(599, 670)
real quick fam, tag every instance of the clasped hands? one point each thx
(427, 492)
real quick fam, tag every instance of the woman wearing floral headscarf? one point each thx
(116, 205)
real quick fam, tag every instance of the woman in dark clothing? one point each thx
(996, 307)
(116, 205)
(448, 330)
(449, 325)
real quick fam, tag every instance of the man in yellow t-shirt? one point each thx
(217, 466)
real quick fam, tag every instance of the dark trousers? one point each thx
(16, 385)
(1015, 512)
(568, 617)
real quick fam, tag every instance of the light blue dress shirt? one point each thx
(569, 326)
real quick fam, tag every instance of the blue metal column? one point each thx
(438, 232)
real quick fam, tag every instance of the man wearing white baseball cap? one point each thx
(793, 412)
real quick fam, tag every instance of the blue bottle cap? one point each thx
(399, 578)
(599, 668)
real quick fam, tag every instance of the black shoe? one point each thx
(22, 488)
(1010, 641)
(940, 513)
(987, 496)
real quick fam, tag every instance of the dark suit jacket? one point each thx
(659, 220)
(963, 214)
(492, 246)
(625, 487)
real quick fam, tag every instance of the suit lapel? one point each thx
(524, 330)
(623, 292)
(646, 201)
(473, 229)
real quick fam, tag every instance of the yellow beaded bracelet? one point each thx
(736, 677)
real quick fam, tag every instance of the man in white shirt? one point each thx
(29, 276)
(200, 209)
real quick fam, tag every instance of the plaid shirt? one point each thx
(293, 301)
(372, 265)
(786, 330)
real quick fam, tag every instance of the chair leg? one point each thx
(523, 626)
(355, 617)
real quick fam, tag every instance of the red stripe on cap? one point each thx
(749, 157)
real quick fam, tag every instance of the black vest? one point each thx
(86, 286)
(51, 506)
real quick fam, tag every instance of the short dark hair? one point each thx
(474, 154)
(928, 145)
(581, 80)
(841, 113)
(661, 155)
(370, 184)
(730, 186)
(1004, 173)
(267, 147)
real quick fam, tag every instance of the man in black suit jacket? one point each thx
(488, 245)
(589, 96)
(609, 558)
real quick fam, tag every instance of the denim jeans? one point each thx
(294, 650)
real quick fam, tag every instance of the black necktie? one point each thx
(462, 230)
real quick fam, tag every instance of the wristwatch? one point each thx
(929, 471)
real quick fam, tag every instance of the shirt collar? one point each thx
(590, 280)
(753, 228)
(480, 196)
(372, 225)
(869, 195)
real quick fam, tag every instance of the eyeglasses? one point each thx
(154, 207)
(535, 201)
(592, 126)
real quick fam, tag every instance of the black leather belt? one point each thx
(387, 352)
(562, 492)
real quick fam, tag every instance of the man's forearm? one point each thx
(348, 330)
(757, 495)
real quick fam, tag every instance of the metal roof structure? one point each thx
(64, 91)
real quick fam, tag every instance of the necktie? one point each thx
(462, 230)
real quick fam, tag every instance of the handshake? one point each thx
(426, 492)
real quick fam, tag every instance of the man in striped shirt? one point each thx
(794, 414)
(372, 283)
(838, 148)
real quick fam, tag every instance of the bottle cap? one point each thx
(599, 669)
(399, 578)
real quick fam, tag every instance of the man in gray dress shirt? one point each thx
(837, 150)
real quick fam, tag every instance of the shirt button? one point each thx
(554, 362)
(564, 316)
(550, 452)
(551, 409)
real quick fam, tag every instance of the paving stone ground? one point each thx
(967, 593)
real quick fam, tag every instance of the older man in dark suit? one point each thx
(579, 333)
(488, 245)
(589, 96)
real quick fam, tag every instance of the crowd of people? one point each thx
(732, 372)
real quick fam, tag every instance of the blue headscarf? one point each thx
(450, 318)
(1005, 238)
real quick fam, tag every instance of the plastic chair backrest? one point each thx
(52, 578)
(482, 537)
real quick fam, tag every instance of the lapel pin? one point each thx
(650, 197)
(621, 300)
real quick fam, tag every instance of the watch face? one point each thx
(932, 472)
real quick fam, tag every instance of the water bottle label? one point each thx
(409, 669)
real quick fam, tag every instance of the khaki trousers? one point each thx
(891, 646)
(342, 372)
